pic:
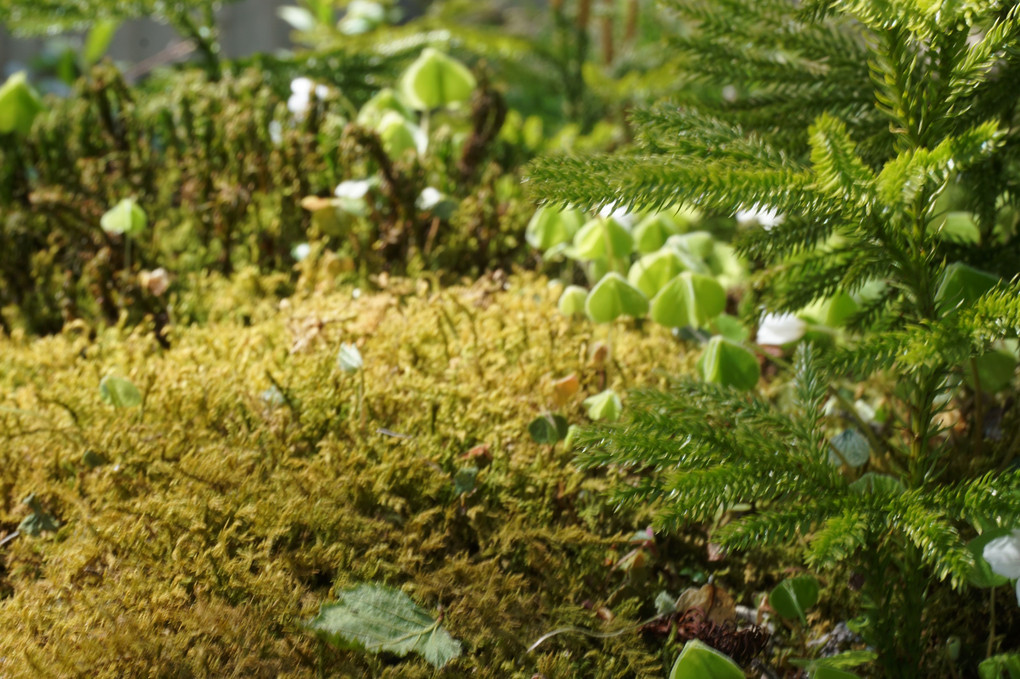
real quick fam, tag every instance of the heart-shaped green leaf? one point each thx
(348, 358)
(995, 369)
(605, 405)
(982, 574)
(398, 135)
(961, 285)
(434, 80)
(548, 429)
(550, 227)
(384, 101)
(825, 672)
(850, 447)
(689, 299)
(793, 596)
(651, 273)
(613, 297)
(125, 217)
(727, 363)
(872, 483)
(698, 243)
(19, 105)
(39, 520)
(959, 227)
(603, 238)
(572, 300)
(119, 392)
(698, 660)
(999, 666)
(651, 232)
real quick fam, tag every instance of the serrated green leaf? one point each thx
(793, 596)
(698, 660)
(381, 619)
(613, 297)
(119, 392)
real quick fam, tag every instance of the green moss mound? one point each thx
(202, 528)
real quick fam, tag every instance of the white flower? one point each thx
(352, 188)
(276, 132)
(300, 251)
(301, 96)
(626, 219)
(779, 329)
(429, 198)
(1003, 556)
(764, 216)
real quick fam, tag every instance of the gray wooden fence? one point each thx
(245, 27)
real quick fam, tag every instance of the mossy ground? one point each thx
(221, 519)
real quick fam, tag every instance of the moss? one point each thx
(222, 520)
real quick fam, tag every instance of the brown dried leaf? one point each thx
(564, 388)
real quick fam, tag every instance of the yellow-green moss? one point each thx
(221, 521)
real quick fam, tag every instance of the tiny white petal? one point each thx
(352, 188)
(779, 329)
(321, 91)
(765, 217)
(276, 132)
(620, 214)
(348, 359)
(298, 104)
(1003, 555)
(302, 85)
(429, 198)
(300, 251)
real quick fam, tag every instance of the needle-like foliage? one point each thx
(864, 125)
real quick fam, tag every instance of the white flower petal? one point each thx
(298, 104)
(1003, 555)
(352, 188)
(302, 85)
(779, 329)
(429, 198)
(764, 216)
(276, 132)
